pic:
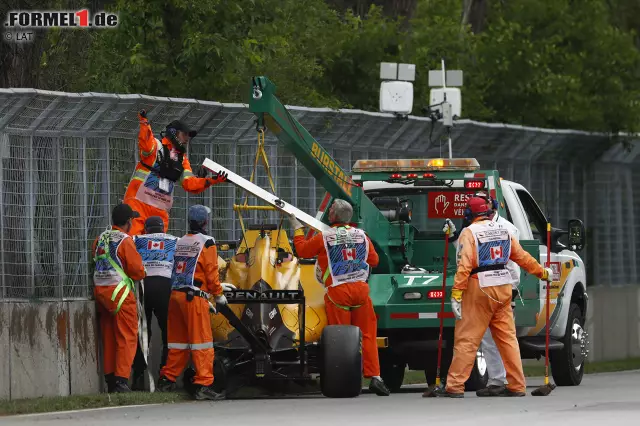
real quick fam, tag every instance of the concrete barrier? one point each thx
(48, 349)
(52, 348)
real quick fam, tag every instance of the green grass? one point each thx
(78, 402)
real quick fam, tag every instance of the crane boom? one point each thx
(273, 115)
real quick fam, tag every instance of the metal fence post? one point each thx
(3, 137)
(32, 220)
(59, 290)
(85, 220)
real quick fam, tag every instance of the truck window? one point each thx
(430, 206)
(536, 219)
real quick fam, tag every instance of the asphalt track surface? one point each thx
(600, 399)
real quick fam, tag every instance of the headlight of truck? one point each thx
(412, 296)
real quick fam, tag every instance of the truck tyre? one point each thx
(479, 376)
(391, 370)
(341, 361)
(567, 365)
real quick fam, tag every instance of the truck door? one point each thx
(529, 284)
(538, 223)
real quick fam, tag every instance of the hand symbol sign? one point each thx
(441, 200)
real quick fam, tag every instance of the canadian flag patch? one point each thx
(155, 245)
(180, 267)
(496, 252)
(348, 254)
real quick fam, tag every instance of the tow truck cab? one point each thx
(423, 192)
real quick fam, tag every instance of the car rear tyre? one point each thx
(341, 361)
(567, 365)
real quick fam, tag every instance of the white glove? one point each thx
(456, 307)
(221, 300)
(212, 308)
(295, 224)
(228, 287)
(549, 274)
(448, 225)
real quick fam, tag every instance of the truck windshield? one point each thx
(430, 206)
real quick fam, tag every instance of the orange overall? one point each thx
(143, 193)
(119, 330)
(348, 303)
(189, 325)
(486, 307)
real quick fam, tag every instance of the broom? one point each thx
(546, 389)
(430, 392)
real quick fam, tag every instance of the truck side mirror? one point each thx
(577, 234)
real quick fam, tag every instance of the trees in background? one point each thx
(549, 63)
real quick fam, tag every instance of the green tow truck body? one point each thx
(402, 204)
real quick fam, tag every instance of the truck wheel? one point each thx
(392, 371)
(567, 365)
(341, 361)
(479, 375)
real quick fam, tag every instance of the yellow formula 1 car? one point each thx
(274, 331)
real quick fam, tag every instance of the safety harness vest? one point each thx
(347, 252)
(159, 180)
(108, 270)
(157, 252)
(493, 243)
(188, 251)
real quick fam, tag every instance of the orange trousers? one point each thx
(478, 313)
(146, 211)
(119, 331)
(363, 317)
(189, 332)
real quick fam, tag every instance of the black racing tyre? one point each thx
(479, 377)
(391, 370)
(567, 365)
(341, 361)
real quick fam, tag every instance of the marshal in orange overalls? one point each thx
(195, 270)
(347, 302)
(118, 317)
(147, 193)
(487, 301)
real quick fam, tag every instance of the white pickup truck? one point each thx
(408, 303)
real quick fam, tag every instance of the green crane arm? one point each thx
(274, 116)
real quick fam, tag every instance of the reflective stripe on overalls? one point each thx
(126, 282)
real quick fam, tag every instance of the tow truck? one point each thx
(401, 204)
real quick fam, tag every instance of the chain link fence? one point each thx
(67, 159)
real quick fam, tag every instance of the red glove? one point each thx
(218, 178)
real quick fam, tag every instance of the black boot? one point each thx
(165, 385)
(378, 387)
(122, 385)
(111, 382)
(207, 393)
(442, 392)
(138, 381)
(491, 390)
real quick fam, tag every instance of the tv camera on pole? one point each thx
(446, 101)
